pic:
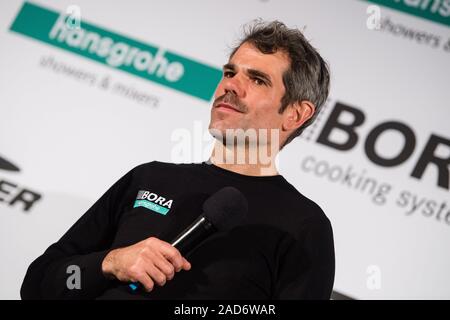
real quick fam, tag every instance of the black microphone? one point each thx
(222, 211)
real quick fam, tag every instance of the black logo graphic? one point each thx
(8, 166)
(12, 193)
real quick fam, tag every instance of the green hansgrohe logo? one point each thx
(120, 52)
(434, 10)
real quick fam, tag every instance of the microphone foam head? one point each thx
(226, 208)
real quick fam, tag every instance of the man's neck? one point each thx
(228, 159)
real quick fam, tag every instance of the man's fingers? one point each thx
(146, 281)
(173, 256)
(165, 266)
(157, 276)
(177, 260)
(168, 258)
(186, 264)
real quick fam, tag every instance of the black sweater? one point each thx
(283, 250)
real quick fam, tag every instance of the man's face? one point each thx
(249, 94)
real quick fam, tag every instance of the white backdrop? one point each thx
(71, 138)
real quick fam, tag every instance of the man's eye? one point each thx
(259, 81)
(228, 74)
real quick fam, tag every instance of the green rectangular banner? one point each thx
(117, 51)
(437, 11)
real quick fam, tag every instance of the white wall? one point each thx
(72, 140)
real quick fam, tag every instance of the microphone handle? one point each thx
(197, 231)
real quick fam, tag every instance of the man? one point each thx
(274, 82)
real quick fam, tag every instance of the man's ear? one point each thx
(296, 114)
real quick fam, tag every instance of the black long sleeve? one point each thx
(307, 270)
(283, 250)
(84, 245)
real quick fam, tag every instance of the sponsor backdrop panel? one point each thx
(134, 83)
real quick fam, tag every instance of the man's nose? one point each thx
(234, 85)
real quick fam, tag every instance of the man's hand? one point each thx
(148, 262)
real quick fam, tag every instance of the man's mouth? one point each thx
(227, 107)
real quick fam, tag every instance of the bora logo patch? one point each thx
(153, 201)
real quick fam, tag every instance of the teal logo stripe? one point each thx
(118, 51)
(437, 11)
(150, 205)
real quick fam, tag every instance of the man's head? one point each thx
(274, 79)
